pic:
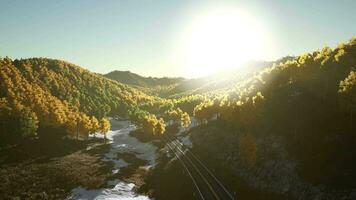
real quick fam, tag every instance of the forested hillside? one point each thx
(40, 96)
(150, 85)
(319, 83)
(306, 104)
(130, 78)
(178, 100)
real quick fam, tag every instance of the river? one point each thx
(121, 142)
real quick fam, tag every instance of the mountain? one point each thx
(288, 130)
(42, 96)
(219, 81)
(178, 87)
(133, 79)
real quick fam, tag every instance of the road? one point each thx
(206, 183)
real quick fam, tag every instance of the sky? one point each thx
(145, 36)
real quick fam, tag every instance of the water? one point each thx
(121, 142)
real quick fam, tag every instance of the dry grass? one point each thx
(51, 174)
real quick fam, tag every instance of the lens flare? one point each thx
(221, 39)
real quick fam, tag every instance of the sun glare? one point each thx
(222, 39)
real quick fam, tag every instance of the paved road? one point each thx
(207, 185)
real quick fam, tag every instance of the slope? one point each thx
(41, 95)
(292, 123)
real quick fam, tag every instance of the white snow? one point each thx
(121, 142)
(186, 141)
(121, 191)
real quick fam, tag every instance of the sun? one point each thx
(222, 39)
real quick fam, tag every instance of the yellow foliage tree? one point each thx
(104, 126)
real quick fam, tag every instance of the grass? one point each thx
(39, 169)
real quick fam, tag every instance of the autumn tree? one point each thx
(149, 124)
(28, 122)
(160, 126)
(104, 126)
(348, 92)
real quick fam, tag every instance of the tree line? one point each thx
(40, 95)
(309, 101)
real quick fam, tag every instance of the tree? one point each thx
(28, 123)
(149, 124)
(347, 89)
(95, 126)
(185, 120)
(172, 116)
(84, 125)
(160, 127)
(104, 126)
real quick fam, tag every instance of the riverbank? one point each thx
(123, 167)
(131, 160)
(38, 169)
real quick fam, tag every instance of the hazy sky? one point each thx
(143, 35)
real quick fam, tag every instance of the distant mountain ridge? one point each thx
(130, 78)
(175, 87)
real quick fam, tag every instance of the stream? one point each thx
(121, 142)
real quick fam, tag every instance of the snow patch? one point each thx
(121, 191)
(121, 142)
(186, 141)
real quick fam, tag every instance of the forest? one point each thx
(178, 100)
(38, 94)
(308, 101)
(41, 96)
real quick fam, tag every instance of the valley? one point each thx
(275, 130)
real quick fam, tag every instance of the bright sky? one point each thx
(168, 38)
